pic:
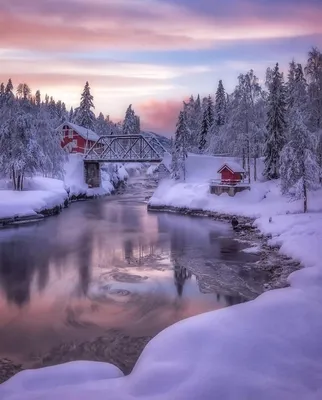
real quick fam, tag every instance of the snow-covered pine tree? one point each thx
(210, 111)
(276, 124)
(220, 118)
(9, 96)
(71, 115)
(37, 99)
(189, 115)
(313, 72)
(129, 123)
(290, 85)
(100, 125)
(299, 167)
(220, 105)
(84, 115)
(179, 153)
(203, 132)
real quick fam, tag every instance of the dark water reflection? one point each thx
(109, 264)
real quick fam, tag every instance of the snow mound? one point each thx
(39, 194)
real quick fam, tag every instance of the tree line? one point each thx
(30, 142)
(280, 121)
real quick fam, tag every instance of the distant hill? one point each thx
(166, 142)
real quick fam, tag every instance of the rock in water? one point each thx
(234, 222)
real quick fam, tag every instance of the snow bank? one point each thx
(45, 193)
(40, 194)
(264, 198)
(75, 183)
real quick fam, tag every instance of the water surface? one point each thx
(108, 265)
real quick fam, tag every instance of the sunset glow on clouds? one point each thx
(149, 52)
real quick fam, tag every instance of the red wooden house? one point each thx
(231, 173)
(77, 139)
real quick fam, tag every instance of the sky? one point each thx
(149, 53)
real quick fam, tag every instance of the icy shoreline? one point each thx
(45, 197)
(278, 265)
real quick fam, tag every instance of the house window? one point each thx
(70, 133)
(74, 144)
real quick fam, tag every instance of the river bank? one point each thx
(279, 266)
(43, 197)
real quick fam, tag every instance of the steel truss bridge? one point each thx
(125, 148)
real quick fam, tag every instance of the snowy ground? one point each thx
(45, 193)
(267, 349)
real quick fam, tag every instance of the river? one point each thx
(98, 280)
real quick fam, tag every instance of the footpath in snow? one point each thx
(266, 349)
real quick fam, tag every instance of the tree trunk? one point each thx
(248, 162)
(18, 182)
(255, 168)
(304, 196)
(14, 178)
(21, 182)
(244, 159)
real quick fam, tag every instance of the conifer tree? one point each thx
(203, 132)
(179, 152)
(129, 124)
(299, 167)
(220, 105)
(84, 115)
(276, 124)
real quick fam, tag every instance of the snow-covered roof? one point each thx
(83, 132)
(232, 166)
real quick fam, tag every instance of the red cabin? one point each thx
(231, 173)
(77, 139)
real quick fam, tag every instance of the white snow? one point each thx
(252, 250)
(45, 193)
(233, 166)
(41, 193)
(267, 349)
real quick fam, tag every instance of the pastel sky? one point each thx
(151, 53)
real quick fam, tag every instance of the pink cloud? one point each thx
(160, 116)
(145, 24)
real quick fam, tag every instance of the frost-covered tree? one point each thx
(276, 124)
(179, 152)
(84, 115)
(52, 156)
(130, 122)
(299, 167)
(220, 113)
(23, 91)
(204, 129)
(313, 72)
(245, 121)
(193, 116)
(100, 125)
(38, 98)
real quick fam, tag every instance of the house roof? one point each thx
(83, 132)
(232, 166)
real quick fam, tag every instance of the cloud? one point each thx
(160, 116)
(147, 24)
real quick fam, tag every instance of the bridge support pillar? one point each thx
(92, 173)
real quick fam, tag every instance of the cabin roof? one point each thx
(232, 166)
(81, 131)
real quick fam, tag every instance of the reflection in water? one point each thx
(109, 264)
(181, 274)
